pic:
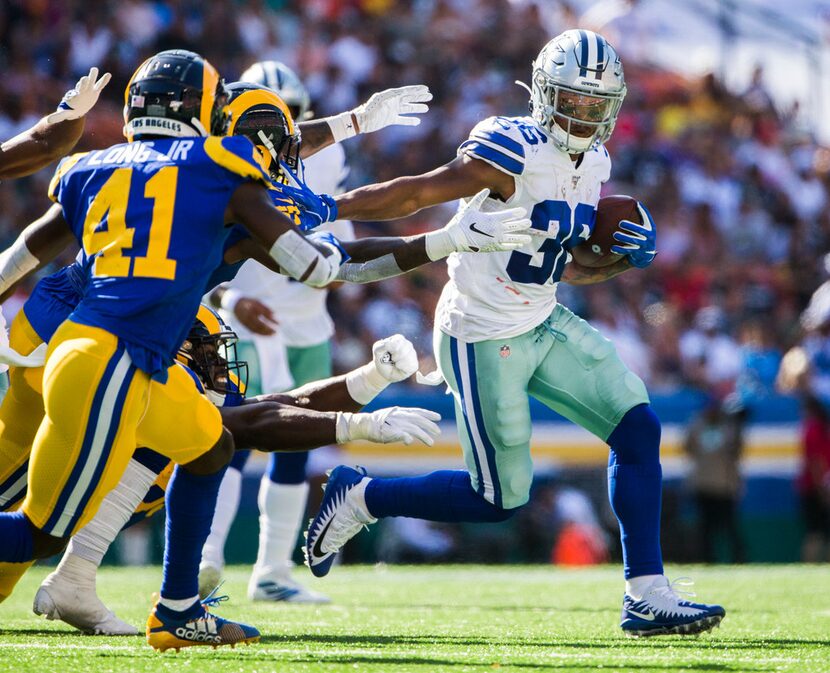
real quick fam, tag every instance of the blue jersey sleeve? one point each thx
(499, 142)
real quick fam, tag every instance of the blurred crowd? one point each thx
(738, 187)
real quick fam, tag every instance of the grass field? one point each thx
(458, 619)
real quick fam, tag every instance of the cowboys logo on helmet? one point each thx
(210, 353)
(284, 81)
(577, 90)
(175, 93)
(262, 116)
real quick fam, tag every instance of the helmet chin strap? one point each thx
(524, 86)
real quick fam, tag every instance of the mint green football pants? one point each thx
(564, 363)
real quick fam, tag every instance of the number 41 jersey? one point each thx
(504, 294)
(150, 216)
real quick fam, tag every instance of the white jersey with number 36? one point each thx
(504, 294)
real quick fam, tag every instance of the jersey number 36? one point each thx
(566, 227)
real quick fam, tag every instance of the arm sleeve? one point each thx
(498, 142)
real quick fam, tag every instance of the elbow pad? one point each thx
(305, 262)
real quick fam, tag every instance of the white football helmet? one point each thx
(284, 81)
(577, 90)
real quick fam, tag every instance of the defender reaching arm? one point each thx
(55, 135)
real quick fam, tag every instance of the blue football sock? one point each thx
(191, 501)
(445, 495)
(635, 481)
(16, 534)
(288, 467)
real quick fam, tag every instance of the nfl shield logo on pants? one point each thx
(504, 351)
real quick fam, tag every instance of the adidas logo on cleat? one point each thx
(190, 633)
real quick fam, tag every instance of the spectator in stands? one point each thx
(711, 358)
(714, 444)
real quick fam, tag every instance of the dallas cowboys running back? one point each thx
(501, 336)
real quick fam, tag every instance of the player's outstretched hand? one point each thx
(637, 241)
(80, 100)
(394, 424)
(392, 107)
(473, 230)
(395, 358)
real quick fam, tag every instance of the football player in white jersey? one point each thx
(286, 336)
(501, 337)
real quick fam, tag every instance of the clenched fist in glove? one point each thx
(80, 100)
(393, 359)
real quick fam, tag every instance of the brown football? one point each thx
(596, 250)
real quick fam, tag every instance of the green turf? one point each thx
(456, 618)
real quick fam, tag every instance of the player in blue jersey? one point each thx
(151, 214)
(501, 337)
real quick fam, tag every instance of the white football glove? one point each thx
(385, 108)
(393, 359)
(384, 426)
(80, 100)
(472, 230)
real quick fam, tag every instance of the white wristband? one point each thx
(342, 126)
(230, 298)
(15, 262)
(438, 244)
(352, 426)
(365, 383)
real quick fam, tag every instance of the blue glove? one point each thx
(638, 241)
(315, 209)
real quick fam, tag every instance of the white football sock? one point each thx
(281, 510)
(227, 503)
(637, 586)
(179, 604)
(93, 540)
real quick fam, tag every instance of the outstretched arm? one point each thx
(461, 178)
(314, 263)
(300, 419)
(55, 135)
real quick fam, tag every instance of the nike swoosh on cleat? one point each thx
(649, 616)
(479, 231)
(317, 552)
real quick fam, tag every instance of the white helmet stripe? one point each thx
(590, 61)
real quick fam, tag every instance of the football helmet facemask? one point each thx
(175, 93)
(210, 352)
(259, 114)
(577, 89)
(282, 79)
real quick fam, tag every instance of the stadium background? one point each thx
(720, 139)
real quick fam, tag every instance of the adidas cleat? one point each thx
(282, 589)
(662, 612)
(170, 630)
(342, 514)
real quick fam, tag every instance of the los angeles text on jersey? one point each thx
(140, 152)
